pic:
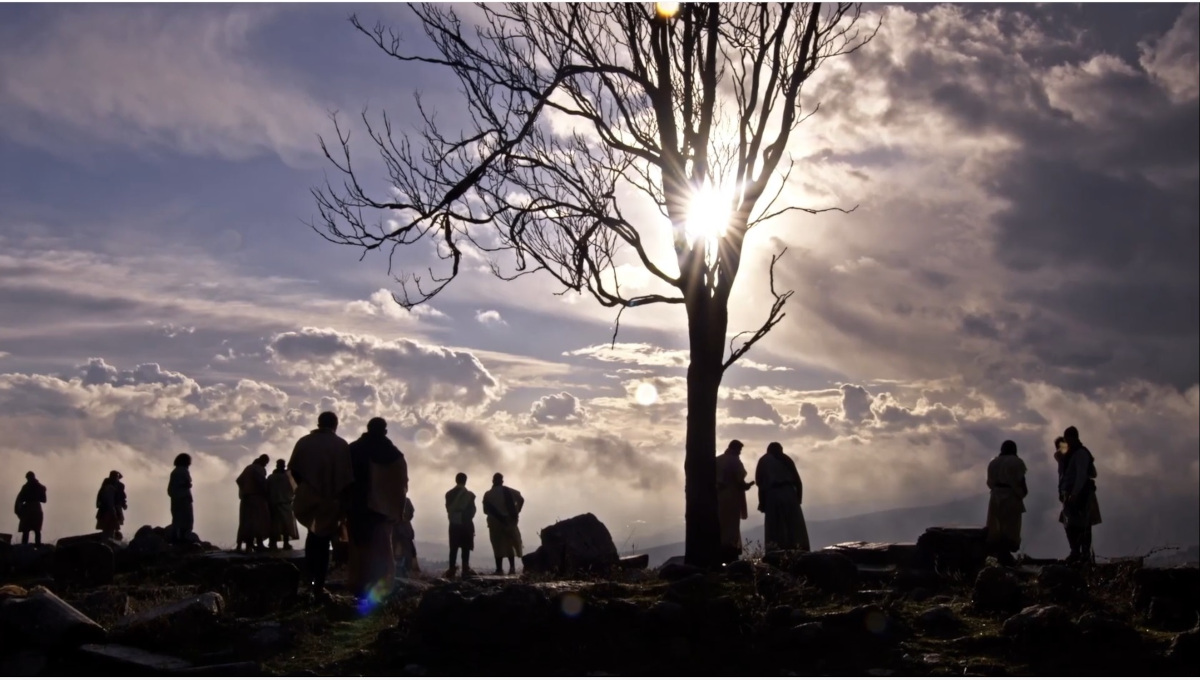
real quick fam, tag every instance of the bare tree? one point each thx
(680, 102)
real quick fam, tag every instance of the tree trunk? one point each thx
(706, 325)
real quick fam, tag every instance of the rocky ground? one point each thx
(93, 607)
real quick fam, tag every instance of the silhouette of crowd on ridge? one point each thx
(358, 493)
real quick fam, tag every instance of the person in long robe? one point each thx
(111, 504)
(731, 500)
(780, 493)
(29, 509)
(179, 489)
(1006, 504)
(376, 505)
(502, 506)
(1077, 491)
(1061, 451)
(281, 491)
(254, 508)
(404, 542)
(460, 511)
(320, 464)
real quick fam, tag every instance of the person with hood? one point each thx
(29, 509)
(281, 491)
(179, 489)
(1077, 491)
(460, 510)
(731, 500)
(320, 464)
(111, 504)
(780, 493)
(502, 506)
(376, 505)
(1006, 482)
(254, 509)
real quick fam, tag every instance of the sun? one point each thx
(708, 216)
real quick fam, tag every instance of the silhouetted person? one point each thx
(254, 508)
(376, 506)
(404, 542)
(29, 509)
(1077, 491)
(1006, 481)
(731, 500)
(179, 488)
(281, 491)
(320, 464)
(502, 506)
(780, 493)
(460, 510)
(111, 504)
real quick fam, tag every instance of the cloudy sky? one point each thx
(1024, 258)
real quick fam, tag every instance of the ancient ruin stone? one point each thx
(953, 549)
(829, 571)
(43, 621)
(996, 590)
(172, 625)
(581, 543)
(260, 588)
(1041, 626)
(1060, 583)
(84, 564)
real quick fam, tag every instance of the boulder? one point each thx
(492, 622)
(118, 660)
(740, 570)
(1041, 626)
(1105, 633)
(997, 590)
(43, 621)
(1178, 583)
(581, 543)
(30, 560)
(953, 549)
(1060, 583)
(174, 624)
(260, 588)
(940, 619)
(264, 639)
(84, 564)
(900, 555)
(675, 568)
(149, 542)
(829, 571)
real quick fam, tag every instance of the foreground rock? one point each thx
(953, 549)
(84, 564)
(42, 621)
(257, 589)
(579, 544)
(997, 590)
(112, 659)
(174, 625)
(830, 571)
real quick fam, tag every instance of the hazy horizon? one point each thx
(1024, 257)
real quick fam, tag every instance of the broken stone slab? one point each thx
(863, 554)
(581, 543)
(84, 564)
(29, 559)
(635, 562)
(676, 568)
(113, 659)
(107, 604)
(43, 621)
(224, 670)
(953, 549)
(829, 571)
(172, 624)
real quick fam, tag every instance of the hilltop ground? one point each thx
(770, 615)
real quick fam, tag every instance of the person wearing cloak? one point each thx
(281, 490)
(179, 489)
(404, 542)
(1006, 504)
(376, 505)
(254, 509)
(460, 510)
(780, 493)
(29, 509)
(502, 506)
(320, 464)
(111, 504)
(731, 500)
(1077, 491)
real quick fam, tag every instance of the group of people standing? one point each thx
(1076, 493)
(780, 495)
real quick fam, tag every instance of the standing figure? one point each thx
(29, 509)
(731, 500)
(1006, 480)
(460, 510)
(179, 488)
(376, 505)
(281, 490)
(780, 493)
(254, 510)
(404, 542)
(111, 504)
(320, 464)
(502, 506)
(1077, 491)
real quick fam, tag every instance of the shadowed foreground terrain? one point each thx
(92, 607)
